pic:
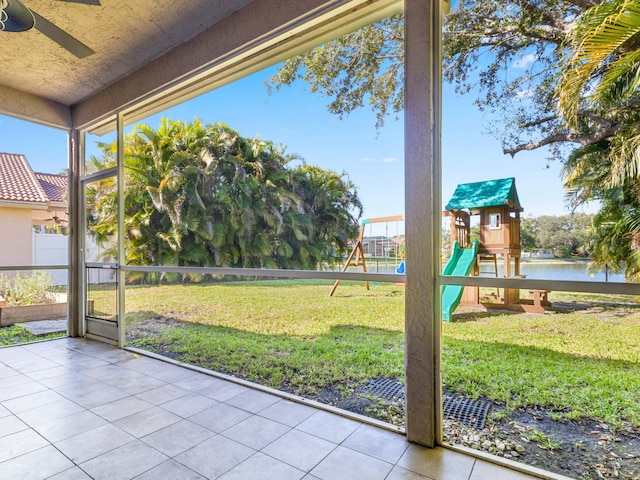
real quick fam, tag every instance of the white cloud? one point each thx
(389, 159)
(367, 159)
(525, 93)
(525, 61)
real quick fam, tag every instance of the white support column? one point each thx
(75, 296)
(121, 260)
(422, 200)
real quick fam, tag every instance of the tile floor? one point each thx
(74, 409)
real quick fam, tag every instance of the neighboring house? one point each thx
(28, 199)
(381, 246)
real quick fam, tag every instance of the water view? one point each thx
(570, 270)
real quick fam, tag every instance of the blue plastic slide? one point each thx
(460, 264)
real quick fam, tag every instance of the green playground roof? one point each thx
(490, 193)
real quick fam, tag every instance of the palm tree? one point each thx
(202, 195)
(603, 76)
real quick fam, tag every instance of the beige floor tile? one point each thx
(83, 361)
(178, 437)
(172, 373)
(252, 401)
(345, 464)
(97, 397)
(223, 391)
(48, 413)
(6, 372)
(189, 404)
(122, 408)
(299, 449)
(110, 372)
(69, 426)
(215, 456)
(219, 417)
(37, 364)
(399, 473)
(35, 400)
(73, 384)
(163, 394)
(378, 443)
(329, 426)
(52, 372)
(93, 443)
(196, 381)
(147, 421)
(170, 470)
(20, 443)
(16, 379)
(263, 467)
(207, 439)
(124, 463)
(17, 391)
(136, 385)
(74, 473)
(289, 413)
(38, 464)
(256, 432)
(437, 463)
(10, 425)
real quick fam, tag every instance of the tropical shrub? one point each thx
(202, 195)
(34, 289)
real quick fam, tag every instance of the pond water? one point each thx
(574, 271)
(577, 271)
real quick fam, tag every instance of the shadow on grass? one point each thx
(347, 355)
(571, 386)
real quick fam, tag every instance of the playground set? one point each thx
(357, 258)
(497, 204)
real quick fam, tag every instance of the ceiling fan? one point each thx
(56, 219)
(15, 17)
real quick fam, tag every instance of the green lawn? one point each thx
(16, 334)
(292, 335)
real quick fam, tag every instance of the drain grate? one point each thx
(468, 412)
(384, 388)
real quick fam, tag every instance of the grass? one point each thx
(297, 338)
(293, 336)
(542, 439)
(14, 334)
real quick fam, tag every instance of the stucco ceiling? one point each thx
(125, 35)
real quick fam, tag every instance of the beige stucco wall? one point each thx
(15, 236)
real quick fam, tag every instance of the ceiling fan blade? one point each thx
(61, 37)
(19, 18)
(85, 2)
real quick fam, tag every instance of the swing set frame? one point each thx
(356, 257)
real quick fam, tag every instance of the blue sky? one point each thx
(373, 159)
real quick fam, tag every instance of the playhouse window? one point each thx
(494, 221)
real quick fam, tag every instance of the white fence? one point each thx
(53, 249)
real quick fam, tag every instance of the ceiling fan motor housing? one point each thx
(15, 17)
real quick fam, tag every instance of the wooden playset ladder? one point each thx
(489, 257)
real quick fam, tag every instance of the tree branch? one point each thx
(582, 139)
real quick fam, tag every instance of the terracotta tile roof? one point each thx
(18, 183)
(54, 186)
